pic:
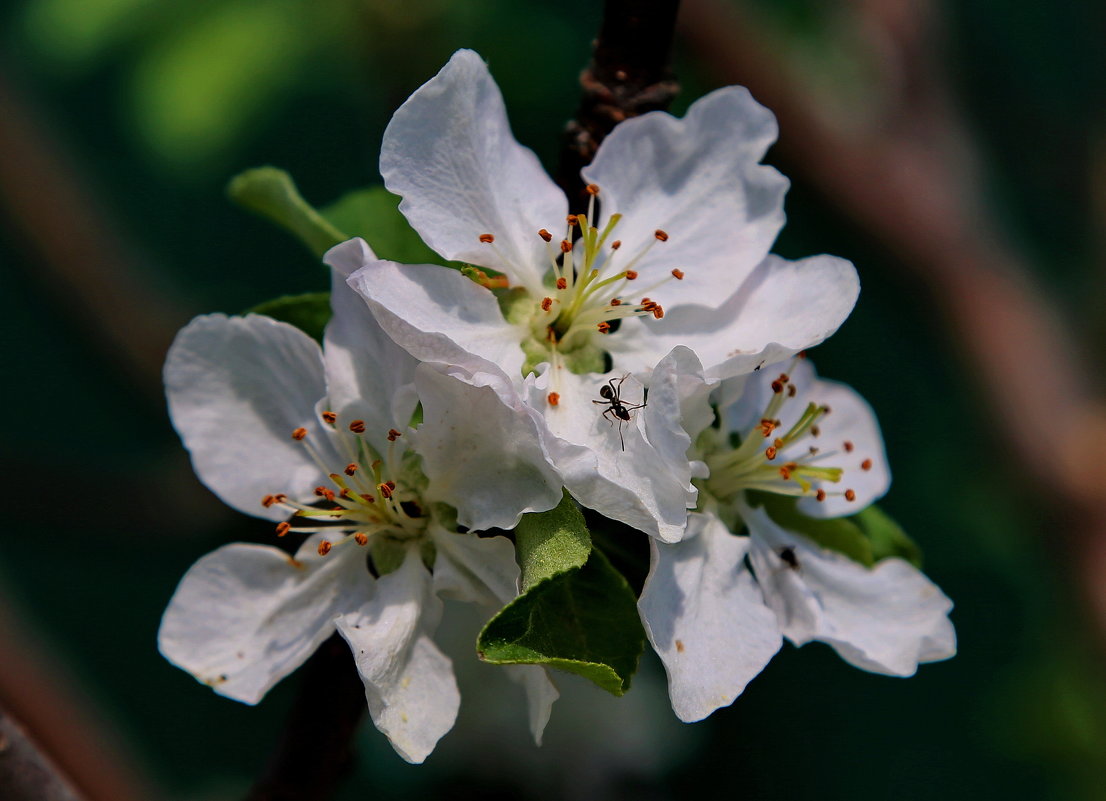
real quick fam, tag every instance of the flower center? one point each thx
(367, 499)
(785, 463)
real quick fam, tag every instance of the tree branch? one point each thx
(26, 774)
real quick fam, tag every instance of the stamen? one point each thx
(678, 274)
(767, 427)
(591, 189)
(544, 234)
(848, 445)
(299, 434)
(630, 275)
(566, 246)
(387, 488)
(546, 304)
(283, 528)
(572, 219)
(604, 327)
(792, 391)
(616, 244)
(850, 495)
(554, 398)
(660, 235)
(770, 452)
(268, 501)
(330, 418)
(777, 386)
(357, 426)
(361, 538)
(393, 435)
(323, 492)
(615, 302)
(820, 495)
(324, 547)
(866, 464)
(487, 239)
(562, 283)
(351, 468)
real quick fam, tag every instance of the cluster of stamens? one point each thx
(363, 501)
(589, 281)
(758, 464)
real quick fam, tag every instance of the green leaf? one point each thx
(886, 536)
(583, 621)
(839, 534)
(549, 543)
(272, 193)
(373, 214)
(310, 313)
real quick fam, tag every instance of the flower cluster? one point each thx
(644, 355)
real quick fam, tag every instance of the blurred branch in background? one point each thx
(25, 772)
(906, 173)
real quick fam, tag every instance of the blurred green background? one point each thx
(149, 106)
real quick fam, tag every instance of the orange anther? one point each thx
(658, 311)
(848, 447)
(548, 237)
(591, 189)
(785, 473)
(554, 398)
(777, 387)
(604, 327)
(616, 244)
(678, 274)
(283, 528)
(323, 492)
(660, 235)
(792, 391)
(866, 464)
(357, 426)
(351, 468)
(630, 275)
(546, 304)
(330, 418)
(487, 239)
(268, 501)
(850, 495)
(324, 547)
(820, 495)
(566, 246)
(616, 302)
(280, 497)
(815, 431)
(299, 433)
(393, 435)
(572, 219)
(770, 453)
(361, 538)
(562, 283)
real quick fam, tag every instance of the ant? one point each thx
(613, 401)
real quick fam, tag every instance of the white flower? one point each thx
(715, 622)
(678, 255)
(319, 443)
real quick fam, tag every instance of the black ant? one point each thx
(615, 407)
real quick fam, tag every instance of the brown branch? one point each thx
(629, 74)
(314, 753)
(907, 176)
(26, 774)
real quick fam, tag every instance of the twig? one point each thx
(26, 774)
(629, 74)
(314, 753)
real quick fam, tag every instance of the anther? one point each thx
(660, 235)
(344, 494)
(784, 378)
(802, 354)
(283, 528)
(778, 442)
(770, 453)
(299, 433)
(616, 244)
(616, 302)
(280, 497)
(386, 488)
(592, 189)
(324, 547)
(850, 495)
(767, 427)
(566, 246)
(361, 538)
(487, 239)
(792, 391)
(848, 447)
(866, 464)
(658, 311)
(546, 304)
(630, 275)
(548, 237)
(604, 327)
(351, 468)
(678, 274)
(562, 283)
(813, 450)
(268, 501)
(820, 495)
(815, 431)
(785, 473)
(330, 418)
(554, 398)
(323, 492)
(357, 426)
(393, 435)
(777, 387)
(572, 219)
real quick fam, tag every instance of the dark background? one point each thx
(140, 110)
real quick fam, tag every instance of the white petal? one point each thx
(245, 616)
(850, 420)
(782, 308)
(610, 465)
(449, 153)
(237, 388)
(474, 569)
(369, 377)
(699, 180)
(439, 315)
(540, 695)
(409, 683)
(886, 619)
(481, 449)
(706, 618)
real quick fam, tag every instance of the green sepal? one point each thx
(887, 537)
(550, 543)
(310, 312)
(582, 621)
(272, 193)
(373, 214)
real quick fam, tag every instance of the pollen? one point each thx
(351, 468)
(616, 244)
(604, 327)
(330, 418)
(562, 283)
(324, 547)
(660, 235)
(592, 189)
(866, 464)
(631, 275)
(283, 528)
(850, 495)
(848, 447)
(554, 398)
(546, 304)
(299, 433)
(678, 274)
(566, 246)
(361, 538)
(487, 239)
(544, 234)
(393, 435)
(357, 426)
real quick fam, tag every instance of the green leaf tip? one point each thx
(310, 312)
(271, 193)
(583, 621)
(549, 543)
